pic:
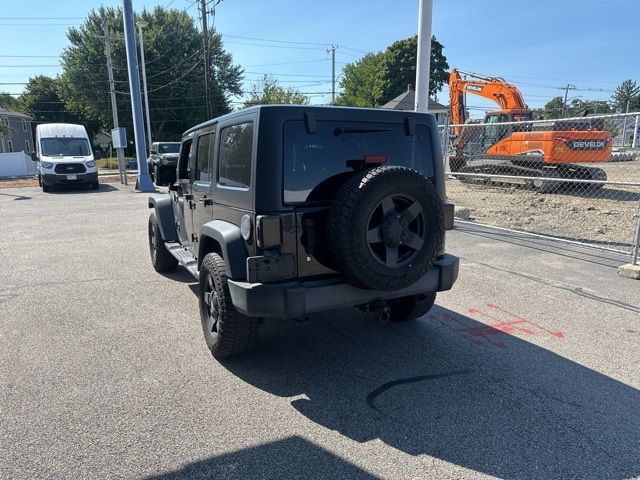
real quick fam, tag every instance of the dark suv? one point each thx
(282, 211)
(162, 162)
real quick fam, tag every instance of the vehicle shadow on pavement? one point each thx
(454, 388)
(16, 197)
(292, 457)
(104, 187)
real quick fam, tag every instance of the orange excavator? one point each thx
(505, 145)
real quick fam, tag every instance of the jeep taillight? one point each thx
(268, 231)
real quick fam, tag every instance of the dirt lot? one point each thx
(604, 216)
(33, 182)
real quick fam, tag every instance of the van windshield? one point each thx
(65, 147)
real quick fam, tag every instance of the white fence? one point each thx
(16, 164)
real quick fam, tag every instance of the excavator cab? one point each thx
(494, 131)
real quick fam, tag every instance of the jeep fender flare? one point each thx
(232, 246)
(164, 213)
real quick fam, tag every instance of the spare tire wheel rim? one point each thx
(396, 230)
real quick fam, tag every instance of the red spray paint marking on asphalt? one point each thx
(555, 334)
(482, 335)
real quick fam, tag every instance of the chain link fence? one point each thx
(574, 179)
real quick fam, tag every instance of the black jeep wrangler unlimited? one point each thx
(281, 211)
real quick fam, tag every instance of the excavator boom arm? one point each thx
(507, 96)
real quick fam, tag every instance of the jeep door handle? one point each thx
(206, 201)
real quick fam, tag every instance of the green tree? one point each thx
(173, 56)
(399, 67)
(379, 77)
(361, 82)
(575, 107)
(7, 101)
(269, 92)
(41, 101)
(627, 91)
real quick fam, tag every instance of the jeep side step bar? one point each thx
(184, 258)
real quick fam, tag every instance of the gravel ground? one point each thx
(606, 216)
(33, 182)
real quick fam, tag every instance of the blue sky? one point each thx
(539, 45)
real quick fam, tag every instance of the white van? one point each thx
(64, 156)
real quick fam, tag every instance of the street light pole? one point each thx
(144, 182)
(141, 25)
(423, 66)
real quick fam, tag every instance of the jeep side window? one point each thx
(205, 148)
(184, 164)
(234, 162)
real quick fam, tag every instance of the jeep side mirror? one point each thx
(153, 152)
(34, 156)
(176, 187)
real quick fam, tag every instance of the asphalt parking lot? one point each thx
(528, 369)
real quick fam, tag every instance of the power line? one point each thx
(29, 56)
(288, 74)
(275, 46)
(41, 18)
(324, 45)
(177, 79)
(287, 63)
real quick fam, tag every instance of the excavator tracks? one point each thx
(528, 172)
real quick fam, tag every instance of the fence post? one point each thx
(636, 246)
(635, 132)
(632, 270)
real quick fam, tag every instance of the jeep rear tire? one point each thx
(226, 331)
(386, 225)
(161, 259)
(411, 308)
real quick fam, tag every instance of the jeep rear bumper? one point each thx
(295, 299)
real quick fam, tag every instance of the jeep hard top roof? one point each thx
(322, 113)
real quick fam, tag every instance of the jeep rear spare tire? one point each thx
(386, 225)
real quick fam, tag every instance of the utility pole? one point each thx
(332, 50)
(205, 49)
(114, 106)
(423, 67)
(566, 93)
(141, 25)
(144, 183)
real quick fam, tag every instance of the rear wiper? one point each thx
(340, 130)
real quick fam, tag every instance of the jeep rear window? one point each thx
(315, 164)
